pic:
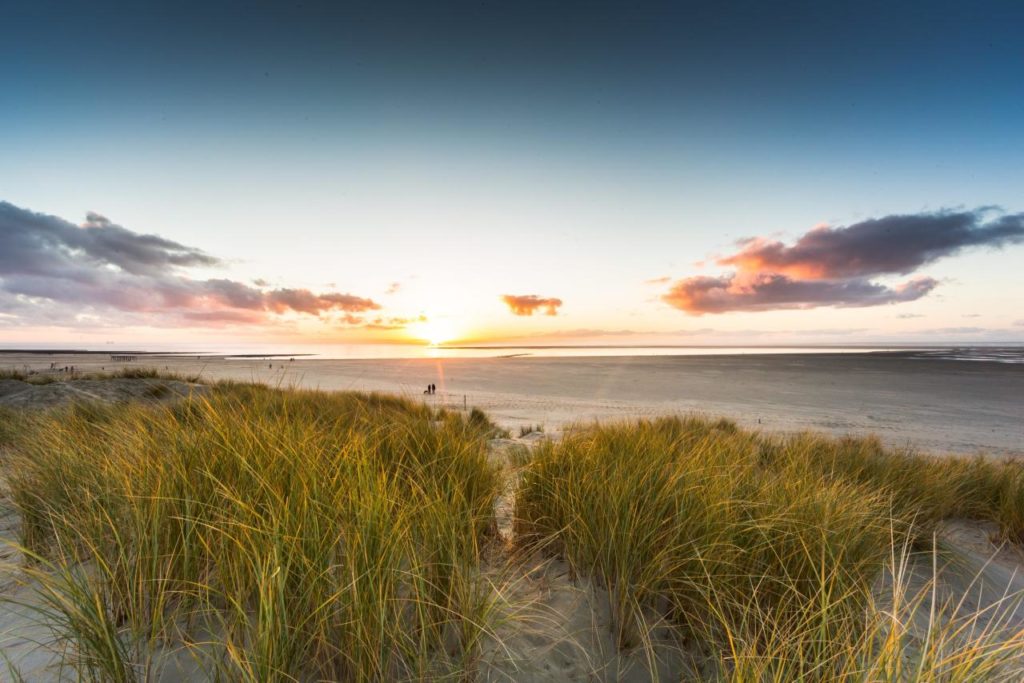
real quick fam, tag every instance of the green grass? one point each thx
(281, 535)
(765, 549)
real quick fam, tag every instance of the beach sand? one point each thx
(934, 405)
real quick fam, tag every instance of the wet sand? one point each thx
(935, 405)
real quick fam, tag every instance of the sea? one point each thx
(996, 353)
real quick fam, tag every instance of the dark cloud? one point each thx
(35, 244)
(836, 266)
(45, 260)
(528, 304)
(897, 244)
(767, 292)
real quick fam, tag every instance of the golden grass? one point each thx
(278, 535)
(769, 550)
(281, 535)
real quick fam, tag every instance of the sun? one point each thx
(434, 331)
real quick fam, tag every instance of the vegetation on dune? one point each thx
(279, 535)
(768, 550)
(530, 429)
(31, 378)
(42, 377)
(9, 425)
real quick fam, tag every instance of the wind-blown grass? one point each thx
(276, 535)
(768, 550)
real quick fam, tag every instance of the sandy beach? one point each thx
(934, 405)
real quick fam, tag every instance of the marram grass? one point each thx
(275, 535)
(770, 551)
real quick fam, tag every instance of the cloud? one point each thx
(765, 292)
(527, 304)
(305, 301)
(960, 330)
(908, 316)
(393, 288)
(47, 261)
(658, 280)
(393, 323)
(228, 317)
(1019, 323)
(837, 266)
(897, 244)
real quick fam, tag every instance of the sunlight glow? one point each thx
(434, 331)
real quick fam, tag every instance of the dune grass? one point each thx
(273, 535)
(37, 378)
(282, 535)
(769, 551)
(43, 377)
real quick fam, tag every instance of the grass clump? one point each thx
(530, 429)
(141, 373)
(768, 550)
(275, 535)
(31, 376)
(9, 425)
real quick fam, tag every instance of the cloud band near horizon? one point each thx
(835, 266)
(103, 265)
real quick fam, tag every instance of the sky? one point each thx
(497, 172)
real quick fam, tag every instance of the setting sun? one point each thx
(434, 331)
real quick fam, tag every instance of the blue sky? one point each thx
(468, 151)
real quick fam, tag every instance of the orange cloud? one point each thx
(773, 291)
(835, 266)
(896, 244)
(528, 304)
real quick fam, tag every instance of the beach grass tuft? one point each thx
(274, 535)
(769, 550)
